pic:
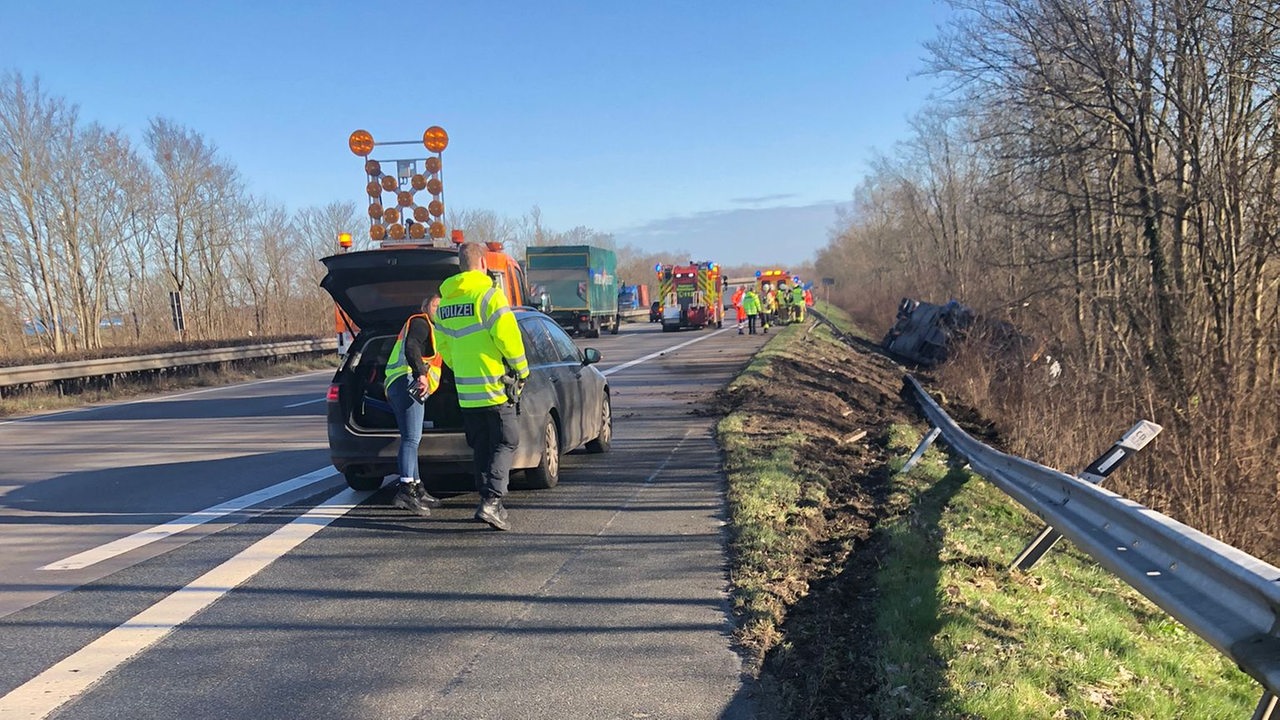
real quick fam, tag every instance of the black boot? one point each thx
(427, 498)
(413, 497)
(492, 512)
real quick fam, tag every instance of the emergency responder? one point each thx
(478, 338)
(751, 306)
(797, 300)
(784, 303)
(412, 374)
(768, 306)
(737, 307)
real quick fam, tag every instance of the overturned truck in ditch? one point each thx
(923, 333)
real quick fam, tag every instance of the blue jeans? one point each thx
(409, 419)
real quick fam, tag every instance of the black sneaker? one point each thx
(492, 512)
(408, 498)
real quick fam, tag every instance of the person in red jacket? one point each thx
(737, 307)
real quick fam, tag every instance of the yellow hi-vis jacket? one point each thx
(477, 335)
(398, 364)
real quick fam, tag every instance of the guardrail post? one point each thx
(1133, 441)
(919, 453)
(1268, 707)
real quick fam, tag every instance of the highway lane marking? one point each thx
(651, 356)
(66, 680)
(306, 402)
(96, 555)
(160, 398)
(487, 644)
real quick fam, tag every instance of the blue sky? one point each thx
(713, 126)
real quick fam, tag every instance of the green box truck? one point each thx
(577, 285)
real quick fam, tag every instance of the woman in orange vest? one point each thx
(413, 373)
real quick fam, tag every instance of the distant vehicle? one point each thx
(633, 297)
(577, 285)
(655, 312)
(690, 295)
(565, 404)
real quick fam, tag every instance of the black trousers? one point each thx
(493, 437)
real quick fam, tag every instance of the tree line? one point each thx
(1104, 177)
(98, 233)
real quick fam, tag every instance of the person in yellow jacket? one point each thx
(751, 306)
(478, 337)
(412, 374)
(797, 301)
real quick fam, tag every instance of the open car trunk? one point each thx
(369, 411)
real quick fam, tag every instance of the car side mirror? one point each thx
(590, 355)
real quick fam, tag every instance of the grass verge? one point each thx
(963, 636)
(862, 592)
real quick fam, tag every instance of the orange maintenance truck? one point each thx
(406, 211)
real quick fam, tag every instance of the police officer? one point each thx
(477, 335)
(412, 373)
(751, 306)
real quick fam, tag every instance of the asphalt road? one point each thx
(195, 556)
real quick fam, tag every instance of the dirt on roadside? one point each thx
(822, 661)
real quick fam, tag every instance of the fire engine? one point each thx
(691, 295)
(412, 215)
(768, 283)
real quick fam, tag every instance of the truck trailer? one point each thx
(577, 285)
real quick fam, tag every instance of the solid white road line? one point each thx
(651, 356)
(306, 402)
(160, 532)
(46, 692)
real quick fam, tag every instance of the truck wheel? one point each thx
(547, 472)
(593, 329)
(357, 481)
(605, 438)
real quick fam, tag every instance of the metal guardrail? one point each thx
(1224, 595)
(53, 372)
(1229, 598)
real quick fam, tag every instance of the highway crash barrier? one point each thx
(1228, 597)
(109, 367)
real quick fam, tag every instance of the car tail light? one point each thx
(333, 393)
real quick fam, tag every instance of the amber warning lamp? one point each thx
(361, 142)
(435, 139)
(344, 240)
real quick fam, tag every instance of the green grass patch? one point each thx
(771, 505)
(964, 637)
